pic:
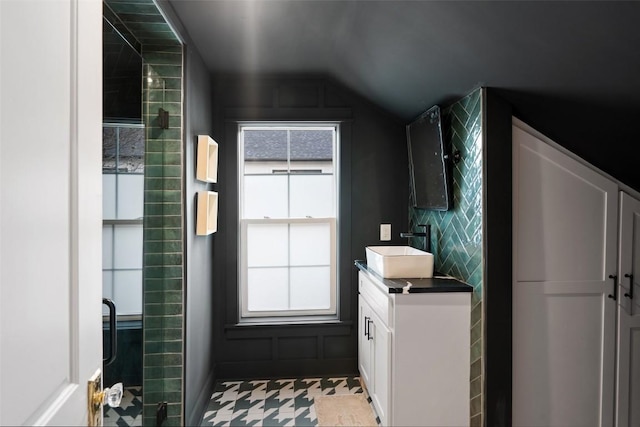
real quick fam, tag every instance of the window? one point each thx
(288, 204)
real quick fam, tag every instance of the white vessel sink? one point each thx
(393, 262)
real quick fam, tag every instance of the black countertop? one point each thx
(437, 283)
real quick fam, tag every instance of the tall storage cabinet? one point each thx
(628, 366)
(568, 291)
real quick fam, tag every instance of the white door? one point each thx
(565, 235)
(628, 393)
(50, 209)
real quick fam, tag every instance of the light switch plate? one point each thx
(385, 232)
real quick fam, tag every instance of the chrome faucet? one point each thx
(426, 234)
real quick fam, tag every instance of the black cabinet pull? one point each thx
(366, 326)
(615, 287)
(630, 293)
(369, 336)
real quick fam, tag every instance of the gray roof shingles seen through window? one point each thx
(271, 145)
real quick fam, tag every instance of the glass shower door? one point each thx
(122, 234)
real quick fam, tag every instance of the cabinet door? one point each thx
(565, 235)
(364, 342)
(628, 393)
(381, 368)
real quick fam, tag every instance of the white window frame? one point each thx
(286, 315)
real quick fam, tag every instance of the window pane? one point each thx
(109, 141)
(108, 196)
(267, 245)
(310, 288)
(131, 150)
(312, 195)
(107, 247)
(310, 244)
(107, 289)
(265, 196)
(128, 246)
(268, 289)
(312, 145)
(127, 291)
(265, 145)
(130, 196)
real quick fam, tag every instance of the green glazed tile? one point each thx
(163, 259)
(163, 57)
(171, 346)
(133, 8)
(163, 272)
(174, 409)
(476, 369)
(174, 421)
(476, 331)
(160, 322)
(161, 146)
(173, 159)
(151, 246)
(161, 48)
(154, 372)
(162, 309)
(476, 405)
(167, 70)
(159, 396)
(163, 297)
(163, 196)
(476, 313)
(476, 387)
(476, 350)
(166, 359)
(162, 385)
(153, 347)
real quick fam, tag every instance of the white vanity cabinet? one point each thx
(414, 354)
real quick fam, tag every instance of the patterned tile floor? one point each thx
(283, 402)
(129, 413)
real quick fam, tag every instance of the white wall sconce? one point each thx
(207, 213)
(207, 162)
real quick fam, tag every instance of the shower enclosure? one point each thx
(123, 166)
(143, 211)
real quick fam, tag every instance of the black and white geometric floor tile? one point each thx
(129, 413)
(264, 403)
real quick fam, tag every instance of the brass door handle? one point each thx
(97, 397)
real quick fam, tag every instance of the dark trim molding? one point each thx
(497, 242)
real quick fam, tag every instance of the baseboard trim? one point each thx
(202, 401)
(286, 369)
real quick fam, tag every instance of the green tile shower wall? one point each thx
(163, 254)
(457, 233)
(163, 251)
(163, 211)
